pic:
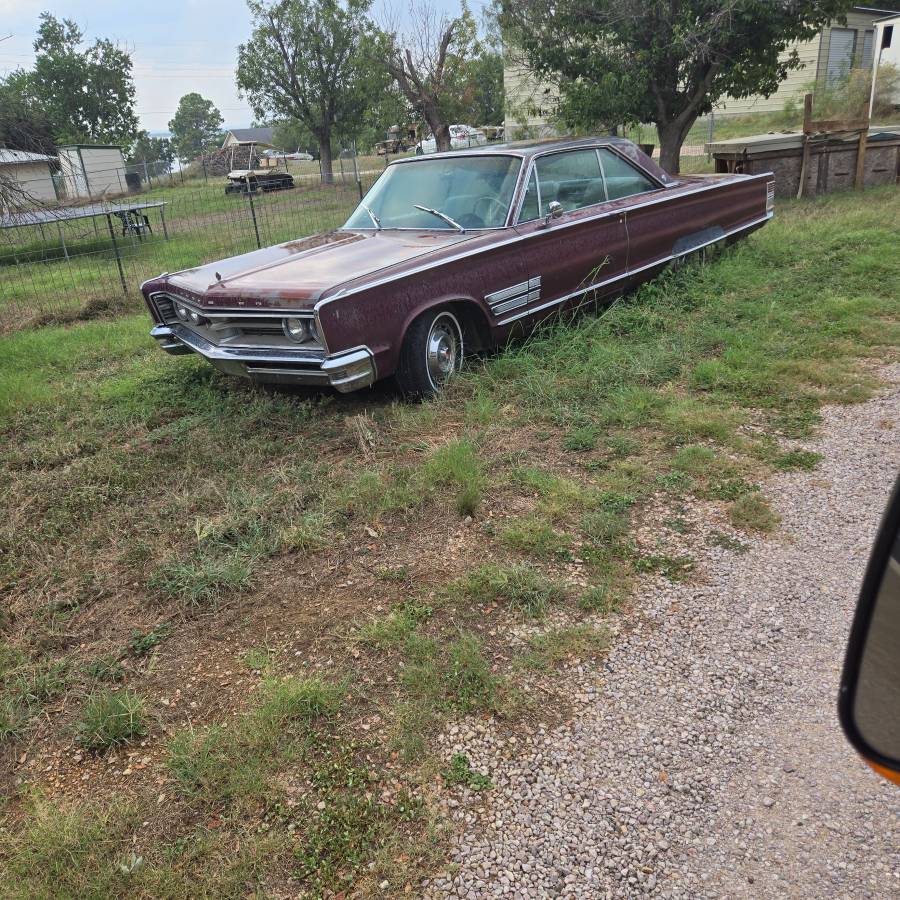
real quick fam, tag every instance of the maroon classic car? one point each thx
(449, 251)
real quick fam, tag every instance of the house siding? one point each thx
(793, 87)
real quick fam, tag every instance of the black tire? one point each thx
(431, 354)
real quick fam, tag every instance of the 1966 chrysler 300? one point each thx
(448, 251)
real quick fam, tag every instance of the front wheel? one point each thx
(431, 355)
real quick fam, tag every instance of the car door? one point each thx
(651, 230)
(583, 252)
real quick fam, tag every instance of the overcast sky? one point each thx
(177, 46)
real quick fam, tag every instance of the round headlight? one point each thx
(182, 313)
(196, 318)
(296, 329)
(314, 331)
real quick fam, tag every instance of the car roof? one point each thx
(526, 148)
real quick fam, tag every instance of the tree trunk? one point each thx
(325, 159)
(671, 137)
(442, 137)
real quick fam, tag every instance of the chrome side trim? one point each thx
(630, 272)
(703, 188)
(506, 293)
(514, 296)
(501, 308)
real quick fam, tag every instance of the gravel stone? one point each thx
(706, 759)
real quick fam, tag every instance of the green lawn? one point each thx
(329, 580)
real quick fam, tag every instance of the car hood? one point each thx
(299, 273)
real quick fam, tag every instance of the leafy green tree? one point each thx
(661, 61)
(149, 149)
(484, 96)
(309, 60)
(196, 126)
(292, 134)
(24, 125)
(85, 93)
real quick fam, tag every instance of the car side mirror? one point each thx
(554, 211)
(869, 701)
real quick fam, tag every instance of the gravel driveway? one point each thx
(706, 759)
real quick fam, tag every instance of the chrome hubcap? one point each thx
(442, 351)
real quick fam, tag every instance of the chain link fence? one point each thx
(63, 262)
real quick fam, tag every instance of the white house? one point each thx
(92, 170)
(33, 171)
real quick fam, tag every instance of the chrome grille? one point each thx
(234, 329)
(166, 308)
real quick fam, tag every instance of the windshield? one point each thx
(473, 191)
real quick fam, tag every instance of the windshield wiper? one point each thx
(440, 215)
(375, 220)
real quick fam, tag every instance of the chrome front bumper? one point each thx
(345, 371)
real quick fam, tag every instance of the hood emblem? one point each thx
(218, 277)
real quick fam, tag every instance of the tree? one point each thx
(309, 60)
(147, 149)
(196, 126)
(24, 125)
(662, 61)
(87, 94)
(292, 134)
(431, 65)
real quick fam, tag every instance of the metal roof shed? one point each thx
(92, 170)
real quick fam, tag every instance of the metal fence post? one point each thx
(115, 244)
(356, 169)
(710, 130)
(203, 163)
(253, 212)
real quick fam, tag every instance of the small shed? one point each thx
(832, 164)
(92, 170)
(33, 171)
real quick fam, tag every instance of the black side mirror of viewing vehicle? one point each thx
(869, 700)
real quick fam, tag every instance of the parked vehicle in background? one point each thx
(282, 154)
(455, 250)
(254, 181)
(461, 137)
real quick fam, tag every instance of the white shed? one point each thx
(92, 170)
(32, 171)
(887, 50)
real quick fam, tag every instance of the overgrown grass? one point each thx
(110, 718)
(520, 587)
(131, 476)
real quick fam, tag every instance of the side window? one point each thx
(572, 179)
(622, 179)
(531, 203)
